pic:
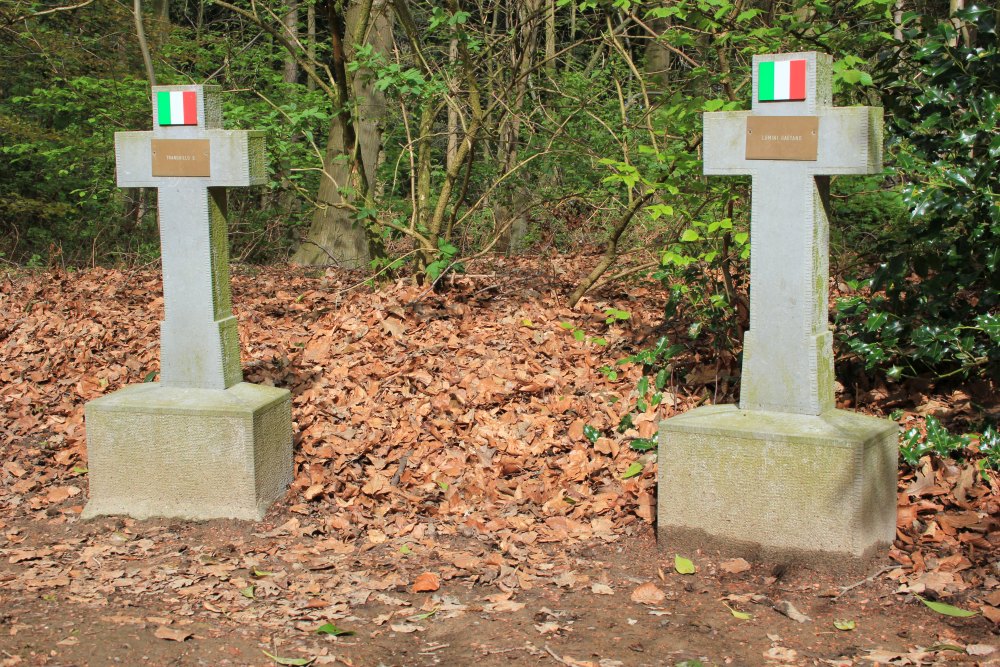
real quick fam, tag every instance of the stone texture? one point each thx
(806, 484)
(188, 453)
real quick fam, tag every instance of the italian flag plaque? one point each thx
(177, 107)
(782, 81)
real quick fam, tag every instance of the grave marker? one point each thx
(201, 443)
(785, 470)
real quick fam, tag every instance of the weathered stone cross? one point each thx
(790, 147)
(190, 160)
(786, 471)
(201, 443)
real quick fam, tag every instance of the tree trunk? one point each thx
(658, 58)
(292, 29)
(511, 214)
(335, 236)
(311, 35)
(550, 36)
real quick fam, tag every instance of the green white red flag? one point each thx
(781, 81)
(177, 107)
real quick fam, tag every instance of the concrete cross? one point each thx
(790, 143)
(190, 160)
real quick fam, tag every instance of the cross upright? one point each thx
(790, 143)
(191, 161)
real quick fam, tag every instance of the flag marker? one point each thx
(177, 107)
(781, 81)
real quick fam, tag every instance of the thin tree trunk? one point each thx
(291, 74)
(550, 36)
(311, 35)
(452, 112)
(140, 34)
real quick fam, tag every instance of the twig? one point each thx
(555, 656)
(845, 589)
(399, 471)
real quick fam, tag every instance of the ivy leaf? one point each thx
(947, 609)
(591, 433)
(642, 444)
(682, 565)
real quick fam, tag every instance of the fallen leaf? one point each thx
(992, 613)
(601, 589)
(634, 469)
(788, 609)
(683, 565)
(426, 582)
(648, 593)
(844, 624)
(405, 628)
(980, 649)
(734, 566)
(173, 634)
(947, 609)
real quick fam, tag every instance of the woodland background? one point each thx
(408, 138)
(486, 264)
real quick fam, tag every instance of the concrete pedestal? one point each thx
(156, 451)
(789, 484)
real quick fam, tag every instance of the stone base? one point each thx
(156, 451)
(806, 486)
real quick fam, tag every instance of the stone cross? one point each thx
(790, 143)
(785, 472)
(190, 160)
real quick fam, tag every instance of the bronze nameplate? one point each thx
(182, 157)
(782, 137)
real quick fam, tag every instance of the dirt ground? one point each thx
(450, 505)
(113, 586)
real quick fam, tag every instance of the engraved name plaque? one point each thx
(181, 157)
(782, 137)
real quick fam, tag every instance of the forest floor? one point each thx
(462, 495)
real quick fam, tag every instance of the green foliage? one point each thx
(913, 445)
(933, 300)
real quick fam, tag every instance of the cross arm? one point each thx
(850, 142)
(236, 158)
(724, 143)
